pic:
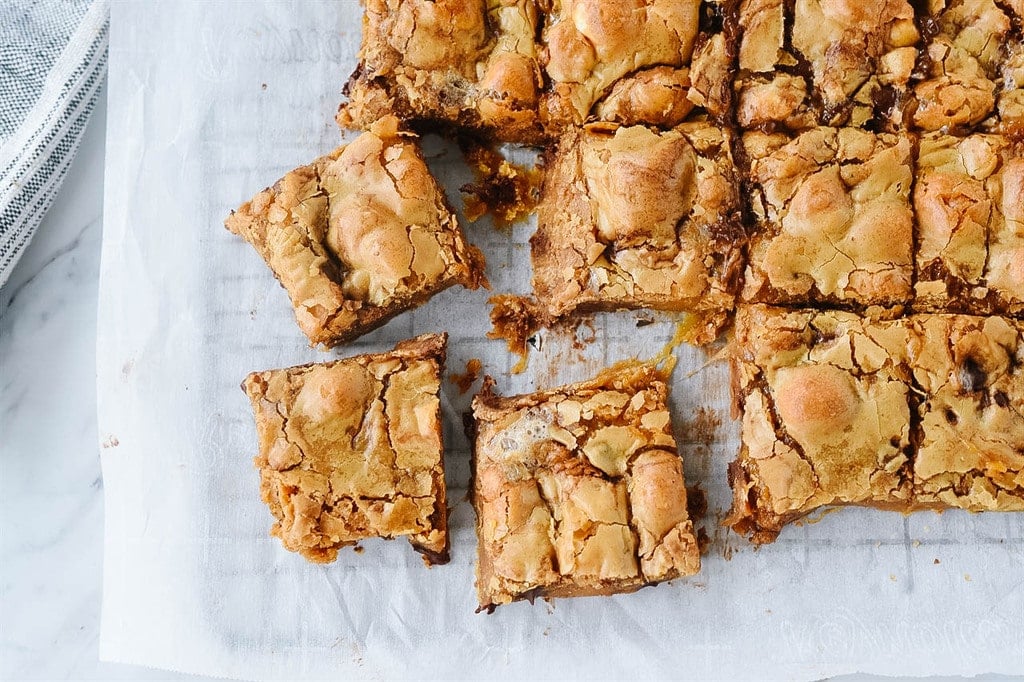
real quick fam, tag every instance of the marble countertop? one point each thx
(51, 508)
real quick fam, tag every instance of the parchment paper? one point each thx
(209, 103)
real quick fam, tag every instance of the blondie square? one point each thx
(352, 449)
(969, 203)
(970, 374)
(961, 63)
(636, 218)
(825, 402)
(591, 44)
(579, 490)
(923, 412)
(359, 235)
(525, 71)
(824, 62)
(833, 219)
(473, 63)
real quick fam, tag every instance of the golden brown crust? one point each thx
(631, 217)
(359, 235)
(656, 96)
(579, 490)
(468, 62)
(834, 224)
(963, 56)
(352, 449)
(524, 71)
(970, 454)
(590, 44)
(923, 412)
(827, 62)
(825, 413)
(970, 216)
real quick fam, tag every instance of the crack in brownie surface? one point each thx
(923, 412)
(526, 71)
(359, 235)
(825, 416)
(833, 219)
(579, 490)
(969, 201)
(352, 449)
(963, 59)
(971, 449)
(829, 62)
(631, 217)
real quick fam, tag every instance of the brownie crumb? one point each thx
(515, 319)
(508, 191)
(472, 373)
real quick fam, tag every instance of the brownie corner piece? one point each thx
(632, 217)
(352, 449)
(359, 235)
(825, 405)
(833, 220)
(969, 204)
(579, 490)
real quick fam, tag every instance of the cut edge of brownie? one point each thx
(631, 375)
(750, 514)
(346, 318)
(431, 347)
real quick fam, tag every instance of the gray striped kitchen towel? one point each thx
(53, 55)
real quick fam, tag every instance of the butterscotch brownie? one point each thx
(468, 62)
(579, 490)
(524, 71)
(352, 449)
(961, 63)
(632, 217)
(969, 203)
(970, 374)
(359, 235)
(591, 44)
(827, 62)
(825, 402)
(923, 412)
(833, 219)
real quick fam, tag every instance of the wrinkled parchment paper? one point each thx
(209, 103)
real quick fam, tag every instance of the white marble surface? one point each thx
(51, 504)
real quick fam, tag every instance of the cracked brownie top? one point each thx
(825, 416)
(969, 201)
(471, 62)
(591, 44)
(961, 63)
(579, 490)
(924, 412)
(970, 452)
(523, 71)
(359, 235)
(632, 217)
(351, 449)
(833, 218)
(828, 62)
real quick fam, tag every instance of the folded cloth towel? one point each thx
(53, 55)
